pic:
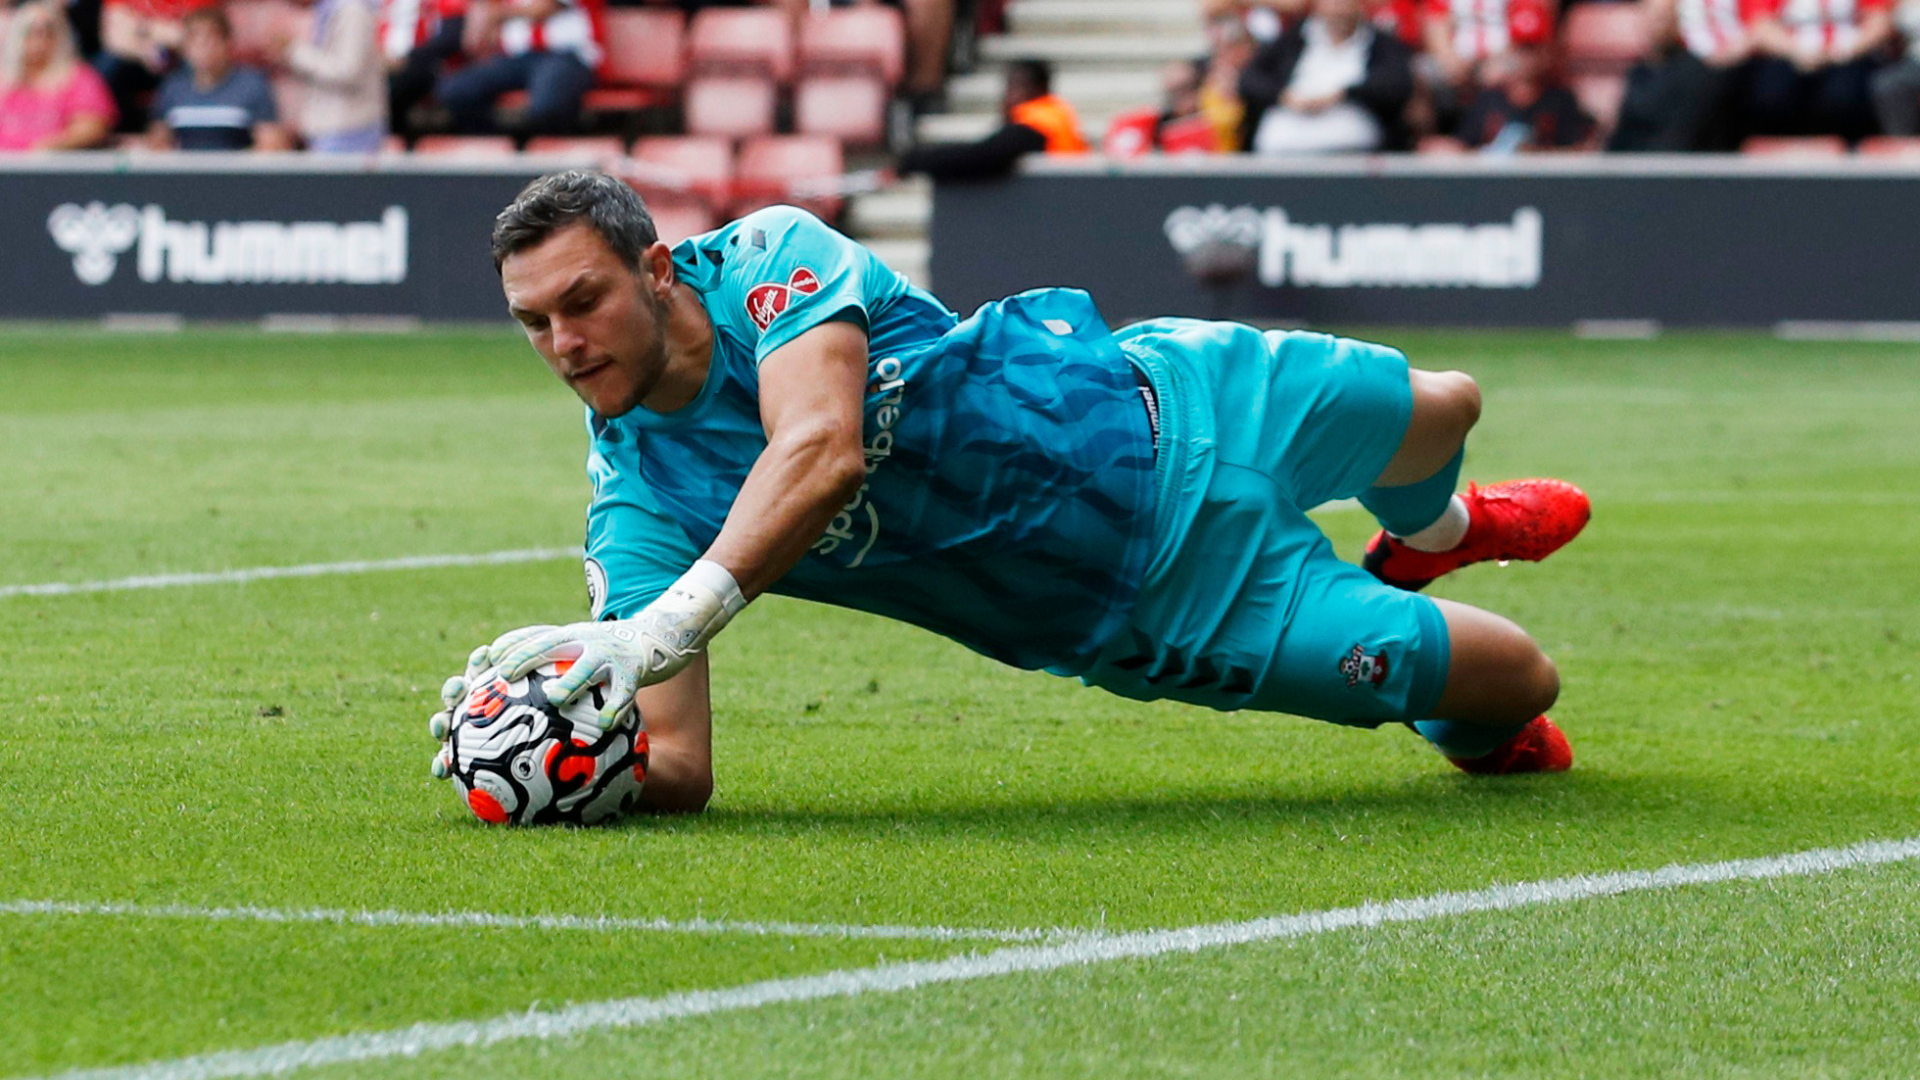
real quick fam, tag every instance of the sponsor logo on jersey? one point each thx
(1491, 255)
(769, 299)
(596, 588)
(1359, 667)
(230, 252)
(859, 520)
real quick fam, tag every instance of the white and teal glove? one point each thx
(626, 654)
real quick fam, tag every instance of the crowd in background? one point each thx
(1278, 76)
(76, 73)
(1315, 76)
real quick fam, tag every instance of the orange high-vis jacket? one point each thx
(1054, 119)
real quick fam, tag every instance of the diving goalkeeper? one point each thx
(771, 409)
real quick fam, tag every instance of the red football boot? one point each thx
(1538, 747)
(1516, 519)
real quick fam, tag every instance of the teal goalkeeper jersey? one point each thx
(1009, 496)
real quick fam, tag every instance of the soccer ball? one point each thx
(517, 759)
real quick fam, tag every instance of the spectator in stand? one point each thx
(1217, 82)
(1813, 72)
(344, 110)
(212, 103)
(48, 99)
(1680, 96)
(549, 48)
(419, 38)
(1896, 88)
(1332, 84)
(140, 42)
(1524, 108)
(1462, 36)
(1037, 121)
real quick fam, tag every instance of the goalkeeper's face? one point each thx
(599, 324)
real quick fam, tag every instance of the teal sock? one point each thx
(1456, 739)
(1407, 509)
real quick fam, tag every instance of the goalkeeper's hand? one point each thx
(627, 654)
(452, 692)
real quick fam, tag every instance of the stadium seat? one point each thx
(465, 146)
(729, 105)
(646, 59)
(851, 108)
(1131, 133)
(1903, 148)
(1604, 38)
(596, 147)
(868, 39)
(1795, 147)
(737, 41)
(675, 221)
(259, 25)
(1600, 95)
(684, 168)
(772, 165)
(1189, 135)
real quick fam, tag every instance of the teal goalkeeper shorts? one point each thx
(1245, 605)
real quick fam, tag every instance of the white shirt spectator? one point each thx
(575, 28)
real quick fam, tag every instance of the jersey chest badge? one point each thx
(767, 300)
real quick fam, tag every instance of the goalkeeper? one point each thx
(771, 409)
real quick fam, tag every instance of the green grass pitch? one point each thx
(1737, 633)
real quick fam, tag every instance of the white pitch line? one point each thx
(265, 573)
(489, 920)
(898, 977)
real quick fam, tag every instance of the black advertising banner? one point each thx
(1680, 242)
(210, 243)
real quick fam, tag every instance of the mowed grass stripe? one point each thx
(604, 924)
(892, 978)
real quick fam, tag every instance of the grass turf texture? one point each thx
(1735, 631)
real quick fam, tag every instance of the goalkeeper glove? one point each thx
(628, 654)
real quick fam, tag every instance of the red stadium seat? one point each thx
(1189, 135)
(737, 41)
(596, 147)
(1795, 147)
(729, 105)
(1604, 38)
(465, 146)
(259, 26)
(684, 168)
(870, 39)
(1601, 96)
(851, 108)
(771, 166)
(675, 222)
(1131, 133)
(646, 59)
(1896, 147)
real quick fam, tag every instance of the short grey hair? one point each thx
(608, 206)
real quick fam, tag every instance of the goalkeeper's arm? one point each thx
(812, 397)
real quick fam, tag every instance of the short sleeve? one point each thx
(87, 95)
(260, 101)
(806, 274)
(169, 95)
(634, 551)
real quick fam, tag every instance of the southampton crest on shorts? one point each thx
(768, 299)
(1358, 666)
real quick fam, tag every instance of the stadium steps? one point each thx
(1103, 16)
(1106, 55)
